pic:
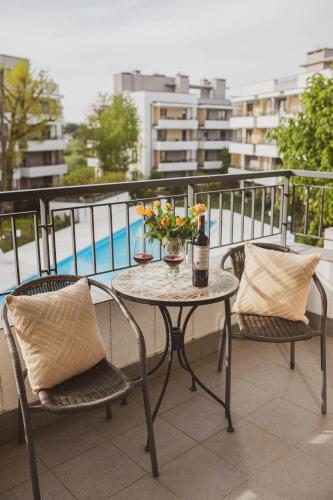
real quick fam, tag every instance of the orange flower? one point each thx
(157, 203)
(140, 210)
(149, 212)
(200, 207)
(168, 207)
(165, 221)
(179, 221)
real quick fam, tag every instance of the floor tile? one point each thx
(245, 397)
(200, 474)
(147, 488)
(98, 473)
(285, 420)
(248, 448)
(199, 418)
(295, 476)
(170, 442)
(14, 465)
(176, 393)
(251, 490)
(50, 488)
(64, 440)
(319, 444)
(123, 418)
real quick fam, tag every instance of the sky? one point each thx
(83, 43)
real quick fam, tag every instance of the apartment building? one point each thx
(183, 127)
(42, 161)
(260, 108)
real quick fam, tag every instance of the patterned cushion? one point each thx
(275, 283)
(57, 333)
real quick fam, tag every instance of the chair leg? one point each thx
(222, 349)
(108, 412)
(20, 425)
(150, 430)
(31, 451)
(323, 372)
(292, 355)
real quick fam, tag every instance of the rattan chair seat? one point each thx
(95, 387)
(273, 329)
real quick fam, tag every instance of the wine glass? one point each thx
(143, 254)
(173, 255)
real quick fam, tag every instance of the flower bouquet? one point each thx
(163, 224)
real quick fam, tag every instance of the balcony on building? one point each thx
(241, 148)
(174, 116)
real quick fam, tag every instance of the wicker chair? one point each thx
(273, 329)
(99, 386)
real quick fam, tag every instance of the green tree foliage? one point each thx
(225, 158)
(112, 133)
(305, 141)
(70, 128)
(31, 103)
(75, 155)
(86, 175)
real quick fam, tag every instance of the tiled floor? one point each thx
(282, 447)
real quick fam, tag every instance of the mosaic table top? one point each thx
(158, 287)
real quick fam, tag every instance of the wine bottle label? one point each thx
(200, 258)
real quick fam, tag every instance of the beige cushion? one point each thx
(275, 283)
(57, 333)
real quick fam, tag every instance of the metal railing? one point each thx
(235, 213)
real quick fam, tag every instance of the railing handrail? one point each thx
(56, 192)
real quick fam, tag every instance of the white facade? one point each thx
(261, 107)
(42, 162)
(180, 131)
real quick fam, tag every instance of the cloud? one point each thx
(83, 42)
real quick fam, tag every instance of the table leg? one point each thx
(228, 353)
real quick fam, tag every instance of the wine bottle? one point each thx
(200, 261)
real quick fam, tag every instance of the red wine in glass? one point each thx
(143, 258)
(173, 260)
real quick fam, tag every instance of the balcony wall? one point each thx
(213, 144)
(212, 164)
(241, 148)
(268, 121)
(175, 145)
(217, 124)
(177, 166)
(177, 124)
(119, 340)
(49, 145)
(242, 122)
(44, 171)
(267, 150)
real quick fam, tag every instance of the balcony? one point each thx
(268, 121)
(269, 150)
(177, 166)
(241, 148)
(216, 124)
(242, 122)
(175, 145)
(183, 124)
(212, 164)
(212, 144)
(49, 145)
(281, 447)
(44, 171)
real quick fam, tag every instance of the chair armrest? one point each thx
(323, 298)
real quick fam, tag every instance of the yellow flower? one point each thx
(140, 210)
(168, 207)
(179, 221)
(200, 207)
(157, 203)
(149, 212)
(164, 221)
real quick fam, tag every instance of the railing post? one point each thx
(43, 208)
(190, 202)
(285, 205)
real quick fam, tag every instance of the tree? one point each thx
(86, 175)
(305, 141)
(29, 104)
(225, 158)
(75, 155)
(112, 132)
(70, 128)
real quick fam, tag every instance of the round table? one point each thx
(158, 289)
